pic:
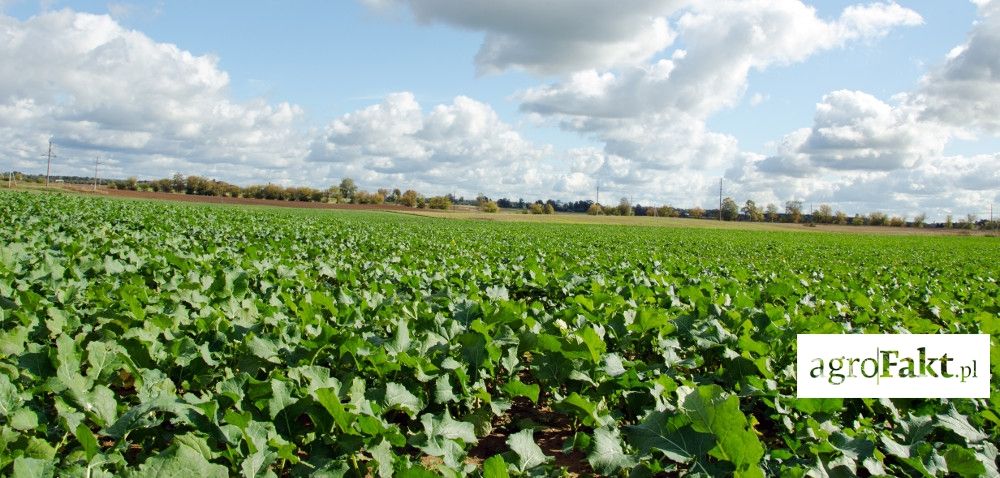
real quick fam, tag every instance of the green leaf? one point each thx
(963, 461)
(443, 393)
(516, 388)
(329, 399)
(956, 422)
(281, 398)
(495, 467)
(399, 398)
(180, 461)
(711, 411)
(445, 437)
(529, 454)
(668, 434)
(33, 468)
(87, 440)
(10, 398)
(595, 344)
(24, 419)
(384, 458)
(607, 455)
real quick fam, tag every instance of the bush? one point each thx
(595, 210)
(439, 202)
(536, 208)
(489, 206)
(549, 209)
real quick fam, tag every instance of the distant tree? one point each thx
(840, 218)
(549, 208)
(947, 222)
(897, 221)
(650, 211)
(131, 183)
(625, 207)
(919, 220)
(877, 218)
(488, 206)
(395, 195)
(348, 189)
(177, 183)
(793, 209)
(667, 211)
(823, 215)
(969, 222)
(771, 212)
(409, 198)
(752, 211)
(595, 210)
(536, 208)
(730, 210)
(439, 202)
(696, 212)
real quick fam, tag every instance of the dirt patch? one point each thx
(551, 433)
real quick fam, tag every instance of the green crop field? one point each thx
(158, 339)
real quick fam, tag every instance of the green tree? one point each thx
(793, 209)
(753, 211)
(771, 212)
(439, 202)
(730, 210)
(823, 215)
(348, 189)
(840, 218)
(625, 208)
(409, 198)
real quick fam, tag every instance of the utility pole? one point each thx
(48, 167)
(97, 160)
(598, 191)
(720, 199)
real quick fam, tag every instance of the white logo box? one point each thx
(893, 366)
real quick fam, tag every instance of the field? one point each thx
(165, 339)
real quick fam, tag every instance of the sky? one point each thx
(863, 106)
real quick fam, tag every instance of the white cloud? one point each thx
(554, 36)
(91, 84)
(853, 130)
(965, 90)
(462, 146)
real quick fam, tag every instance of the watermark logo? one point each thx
(893, 366)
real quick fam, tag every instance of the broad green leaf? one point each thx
(529, 454)
(495, 467)
(399, 398)
(516, 388)
(607, 456)
(711, 411)
(33, 468)
(180, 461)
(963, 462)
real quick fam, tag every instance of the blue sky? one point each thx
(310, 77)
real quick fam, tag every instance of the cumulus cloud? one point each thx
(853, 130)
(965, 90)
(90, 84)
(462, 146)
(555, 36)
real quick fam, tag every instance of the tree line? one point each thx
(347, 192)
